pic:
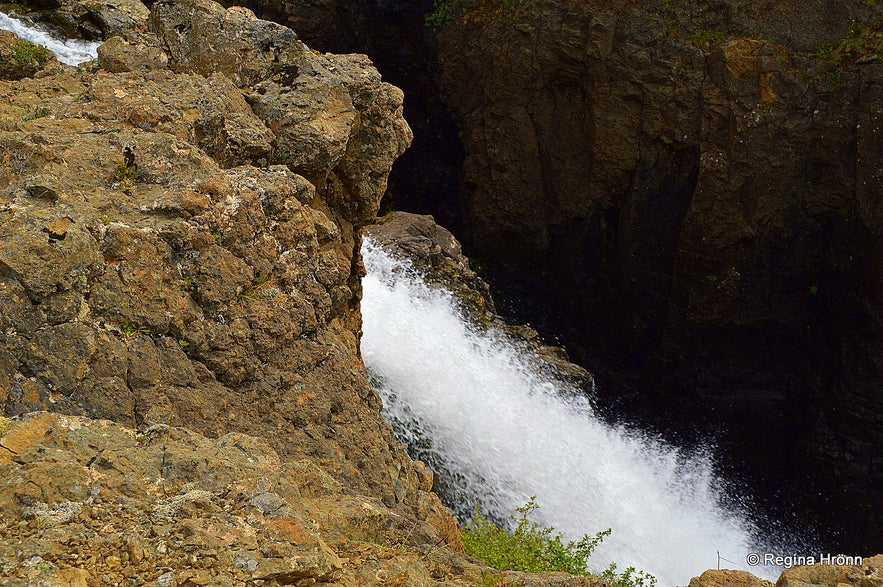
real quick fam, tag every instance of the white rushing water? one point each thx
(70, 52)
(475, 405)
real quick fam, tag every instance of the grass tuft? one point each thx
(25, 52)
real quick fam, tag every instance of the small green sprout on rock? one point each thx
(130, 329)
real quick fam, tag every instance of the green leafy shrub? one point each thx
(25, 52)
(533, 548)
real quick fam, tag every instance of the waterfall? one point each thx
(497, 432)
(71, 52)
(476, 406)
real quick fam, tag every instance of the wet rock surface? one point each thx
(437, 256)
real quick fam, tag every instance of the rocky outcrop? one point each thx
(160, 265)
(727, 578)
(395, 35)
(437, 255)
(93, 20)
(89, 502)
(867, 574)
(20, 58)
(692, 192)
(838, 570)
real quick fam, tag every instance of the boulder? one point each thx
(869, 573)
(118, 55)
(201, 36)
(101, 19)
(728, 578)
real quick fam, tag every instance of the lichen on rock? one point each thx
(162, 263)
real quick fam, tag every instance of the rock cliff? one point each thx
(179, 246)
(687, 193)
(152, 274)
(92, 502)
(179, 229)
(693, 192)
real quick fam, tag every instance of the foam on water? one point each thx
(477, 407)
(68, 51)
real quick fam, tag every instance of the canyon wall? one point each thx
(696, 201)
(183, 398)
(688, 196)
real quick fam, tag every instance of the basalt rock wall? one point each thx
(693, 192)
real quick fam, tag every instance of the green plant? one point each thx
(40, 112)
(489, 579)
(25, 52)
(256, 289)
(859, 40)
(447, 13)
(130, 329)
(441, 17)
(125, 176)
(705, 38)
(631, 577)
(534, 548)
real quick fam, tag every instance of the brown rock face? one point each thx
(20, 58)
(703, 203)
(395, 35)
(840, 571)
(725, 578)
(88, 501)
(159, 265)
